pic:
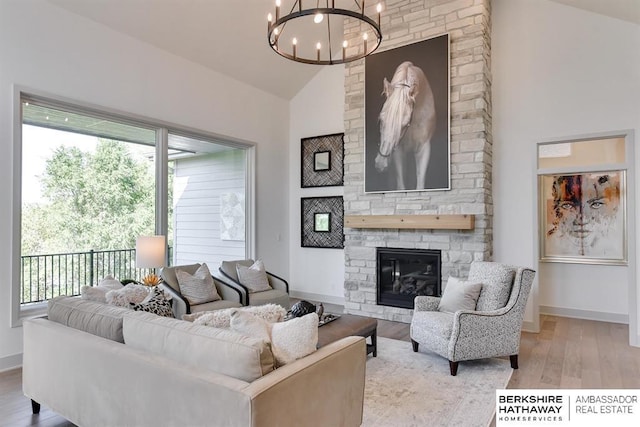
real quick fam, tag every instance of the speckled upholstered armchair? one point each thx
(490, 331)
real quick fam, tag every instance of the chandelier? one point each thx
(313, 26)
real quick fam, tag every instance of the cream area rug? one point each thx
(406, 389)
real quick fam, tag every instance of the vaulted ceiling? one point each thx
(229, 36)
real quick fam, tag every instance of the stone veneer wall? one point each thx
(404, 22)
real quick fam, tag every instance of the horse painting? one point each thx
(407, 124)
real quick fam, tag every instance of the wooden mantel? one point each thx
(429, 222)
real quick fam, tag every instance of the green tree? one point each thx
(100, 200)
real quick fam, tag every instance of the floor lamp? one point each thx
(151, 253)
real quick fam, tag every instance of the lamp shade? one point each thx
(150, 251)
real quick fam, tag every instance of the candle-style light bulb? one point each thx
(276, 30)
(269, 18)
(277, 9)
(295, 45)
(318, 47)
(318, 17)
(364, 37)
(379, 7)
(344, 48)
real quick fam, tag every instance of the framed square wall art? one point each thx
(407, 118)
(322, 161)
(583, 217)
(322, 222)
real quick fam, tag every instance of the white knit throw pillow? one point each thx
(221, 318)
(129, 294)
(198, 287)
(295, 338)
(254, 277)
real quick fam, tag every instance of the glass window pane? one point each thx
(207, 201)
(581, 153)
(86, 197)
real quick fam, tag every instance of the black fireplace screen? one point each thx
(403, 274)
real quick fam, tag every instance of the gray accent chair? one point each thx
(231, 297)
(279, 294)
(492, 330)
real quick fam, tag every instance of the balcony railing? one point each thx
(46, 276)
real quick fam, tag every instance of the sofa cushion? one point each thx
(93, 317)
(156, 303)
(222, 351)
(496, 279)
(246, 323)
(197, 288)
(459, 295)
(253, 277)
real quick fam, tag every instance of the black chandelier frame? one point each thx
(273, 36)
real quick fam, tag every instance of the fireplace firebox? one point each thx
(403, 274)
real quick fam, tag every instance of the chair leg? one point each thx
(453, 367)
(514, 361)
(35, 407)
(415, 345)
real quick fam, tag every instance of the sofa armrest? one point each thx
(224, 279)
(179, 304)
(426, 303)
(481, 334)
(332, 379)
(92, 381)
(277, 282)
(228, 292)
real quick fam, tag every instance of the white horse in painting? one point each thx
(407, 123)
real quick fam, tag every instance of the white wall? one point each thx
(49, 49)
(318, 109)
(557, 71)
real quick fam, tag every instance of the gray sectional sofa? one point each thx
(99, 365)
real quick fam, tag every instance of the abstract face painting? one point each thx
(584, 216)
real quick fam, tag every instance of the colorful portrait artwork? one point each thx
(584, 217)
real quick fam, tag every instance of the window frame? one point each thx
(162, 131)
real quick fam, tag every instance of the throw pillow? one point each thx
(155, 303)
(198, 287)
(254, 277)
(248, 324)
(128, 294)
(294, 338)
(222, 318)
(99, 293)
(459, 295)
(110, 282)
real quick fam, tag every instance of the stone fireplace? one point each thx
(404, 22)
(403, 274)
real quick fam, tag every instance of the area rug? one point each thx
(406, 389)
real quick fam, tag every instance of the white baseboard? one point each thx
(311, 297)
(529, 327)
(10, 362)
(585, 314)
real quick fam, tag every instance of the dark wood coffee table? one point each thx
(347, 325)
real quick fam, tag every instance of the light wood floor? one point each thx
(567, 353)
